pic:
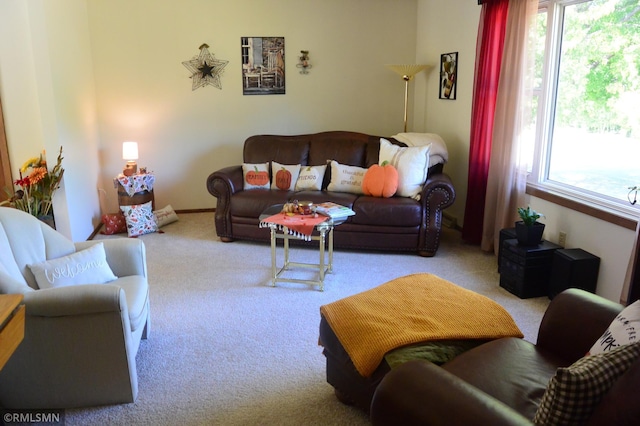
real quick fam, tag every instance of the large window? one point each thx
(586, 101)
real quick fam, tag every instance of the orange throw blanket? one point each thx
(412, 309)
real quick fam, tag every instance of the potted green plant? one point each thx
(528, 230)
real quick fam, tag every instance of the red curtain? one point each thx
(490, 44)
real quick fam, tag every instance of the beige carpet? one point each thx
(228, 349)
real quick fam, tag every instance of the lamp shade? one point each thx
(407, 71)
(129, 150)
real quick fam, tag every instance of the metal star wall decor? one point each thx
(205, 69)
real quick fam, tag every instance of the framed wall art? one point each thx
(448, 75)
(263, 65)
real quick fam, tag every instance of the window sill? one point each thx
(599, 212)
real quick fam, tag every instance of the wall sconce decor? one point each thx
(130, 153)
(205, 69)
(304, 62)
(407, 72)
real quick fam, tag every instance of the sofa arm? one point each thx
(125, 256)
(75, 300)
(421, 393)
(573, 322)
(222, 185)
(437, 194)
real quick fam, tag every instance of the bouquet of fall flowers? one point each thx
(37, 187)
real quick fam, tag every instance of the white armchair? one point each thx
(80, 341)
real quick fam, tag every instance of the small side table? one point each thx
(325, 240)
(526, 270)
(135, 189)
(11, 325)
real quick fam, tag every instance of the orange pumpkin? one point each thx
(257, 178)
(283, 179)
(380, 180)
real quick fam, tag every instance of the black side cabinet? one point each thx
(573, 268)
(526, 270)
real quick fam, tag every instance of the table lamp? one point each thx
(130, 153)
(407, 72)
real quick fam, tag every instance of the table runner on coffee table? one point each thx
(300, 226)
(412, 309)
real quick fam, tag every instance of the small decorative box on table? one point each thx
(135, 189)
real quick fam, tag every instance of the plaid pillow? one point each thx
(575, 391)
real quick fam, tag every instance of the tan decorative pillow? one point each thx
(346, 178)
(310, 178)
(284, 176)
(412, 164)
(256, 176)
(165, 216)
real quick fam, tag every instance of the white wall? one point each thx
(612, 243)
(47, 88)
(144, 92)
(448, 26)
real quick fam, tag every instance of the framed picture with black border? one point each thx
(448, 75)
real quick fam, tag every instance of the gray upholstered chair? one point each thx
(80, 341)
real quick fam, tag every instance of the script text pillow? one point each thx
(88, 266)
(140, 219)
(346, 178)
(623, 329)
(114, 223)
(412, 164)
(310, 178)
(284, 176)
(256, 176)
(575, 391)
(165, 216)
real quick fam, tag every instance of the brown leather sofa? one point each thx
(502, 382)
(398, 224)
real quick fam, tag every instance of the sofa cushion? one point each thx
(511, 370)
(385, 211)
(345, 178)
(88, 266)
(623, 330)
(575, 391)
(255, 175)
(254, 201)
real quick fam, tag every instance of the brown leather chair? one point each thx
(502, 382)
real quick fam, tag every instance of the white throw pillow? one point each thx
(256, 176)
(346, 178)
(165, 216)
(284, 176)
(310, 178)
(87, 266)
(412, 164)
(140, 219)
(623, 330)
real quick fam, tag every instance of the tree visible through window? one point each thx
(586, 97)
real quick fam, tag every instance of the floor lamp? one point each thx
(407, 72)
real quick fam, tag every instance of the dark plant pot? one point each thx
(529, 235)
